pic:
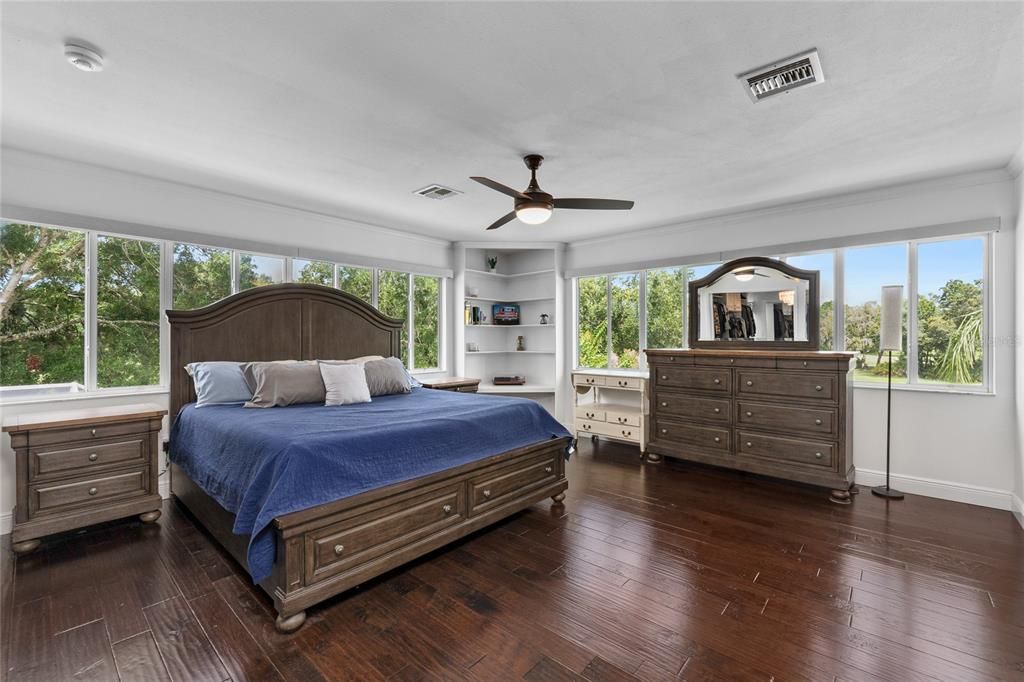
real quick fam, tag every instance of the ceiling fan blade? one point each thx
(598, 204)
(487, 182)
(502, 220)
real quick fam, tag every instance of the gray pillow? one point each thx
(345, 383)
(276, 384)
(218, 383)
(386, 377)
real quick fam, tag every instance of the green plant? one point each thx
(492, 262)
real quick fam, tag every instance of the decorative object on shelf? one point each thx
(520, 343)
(473, 292)
(544, 318)
(475, 314)
(891, 339)
(454, 384)
(472, 347)
(505, 313)
(492, 264)
(514, 380)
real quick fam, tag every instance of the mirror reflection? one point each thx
(753, 303)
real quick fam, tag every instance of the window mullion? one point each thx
(166, 302)
(839, 300)
(608, 321)
(375, 288)
(236, 271)
(642, 317)
(911, 352)
(91, 322)
(409, 326)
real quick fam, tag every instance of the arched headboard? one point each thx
(277, 322)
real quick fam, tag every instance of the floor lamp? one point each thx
(891, 340)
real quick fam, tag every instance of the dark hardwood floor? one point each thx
(650, 572)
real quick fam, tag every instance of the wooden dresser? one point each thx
(778, 413)
(81, 467)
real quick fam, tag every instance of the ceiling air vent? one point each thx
(437, 192)
(783, 76)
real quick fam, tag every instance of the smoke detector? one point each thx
(437, 192)
(83, 58)
(783, 76)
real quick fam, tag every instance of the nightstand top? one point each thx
(449, 382)
(90, 415)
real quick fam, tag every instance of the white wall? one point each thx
(1018, 203)
(956, 446)
(93, 193)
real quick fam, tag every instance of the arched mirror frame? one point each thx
(813, 330)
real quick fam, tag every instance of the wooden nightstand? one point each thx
(81, 467)
(459, 384)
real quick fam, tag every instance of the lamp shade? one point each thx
(891, 327)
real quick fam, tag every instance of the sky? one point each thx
(869, 268)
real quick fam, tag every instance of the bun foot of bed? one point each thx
(291, 623)
(150, 516)
(557, 499)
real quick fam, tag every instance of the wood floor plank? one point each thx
(187, 651)
(238, 651)
(138, 659)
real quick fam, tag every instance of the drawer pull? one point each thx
(664, 404)
(717, 410)
(338, 549)
(671, 358)
(586, 427)
(749, 444)
(548, 470)
(590, 415)
(447, 509)
(718, 381)
(623, 383)
(93, 432)
(93, 457)
(750, 383)
(664, 430)
(817, 422)
(817, 388)
(750, 414)
(487, 492)
(664, 377)
(817, 455)
(805, 363)
(732, 360)
(93, 491)
(717, 439)
(627, 434)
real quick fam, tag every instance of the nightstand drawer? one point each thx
(81, 460)
(622, 418)
(61, 495)
(89, 432)
(590, 412)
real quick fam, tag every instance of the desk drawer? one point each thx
(355, 541)
(623, 418)
(693, 407)
(590, 412)
(504, 485)
(626, 383)
(587, 380)
(84, 458)
(717, 380)
(705, 437)
(97, 491)
(794, 385)
(786, 449)
(782, 418)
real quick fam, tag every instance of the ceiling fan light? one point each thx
(533, 214)
(744, 275)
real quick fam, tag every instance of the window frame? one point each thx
(839, 308)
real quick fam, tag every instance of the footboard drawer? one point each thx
(366, 537)
(504, 485)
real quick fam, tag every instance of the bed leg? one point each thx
(150, 516)
(291, 623)
(557, 499)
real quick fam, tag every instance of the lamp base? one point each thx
(885, 491)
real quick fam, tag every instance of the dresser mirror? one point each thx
(755, 302)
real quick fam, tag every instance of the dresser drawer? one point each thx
(337, 548)
(812, 364)
(81, 460)
(693, 407)
(706, 437)
(717, 380)
(97, 491)
(764, 363)
(630, 383)
(669, 359)
(793, 385)
(623, 418)
(89, 432)
(506, 484)
(590, 412)
(784, 418)
(784, 449)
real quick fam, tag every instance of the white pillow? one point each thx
(345, 384)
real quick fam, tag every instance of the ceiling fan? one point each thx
(533, 206)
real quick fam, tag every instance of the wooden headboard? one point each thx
(277, 322)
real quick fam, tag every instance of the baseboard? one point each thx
(1018, 510)
(944, 490)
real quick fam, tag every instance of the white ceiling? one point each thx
(347, 108)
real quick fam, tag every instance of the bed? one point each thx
(315, 500)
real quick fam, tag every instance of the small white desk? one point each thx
(612, 403)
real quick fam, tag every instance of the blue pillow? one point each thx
(219, 383)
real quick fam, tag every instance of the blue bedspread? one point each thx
(262, 463)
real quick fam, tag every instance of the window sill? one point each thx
(88, 395)
(919, 388)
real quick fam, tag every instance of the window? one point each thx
(825, 264)
(868, 269)
(42, 307)
(950, 311)
(393, 300)
(625, 321)
(127, 312)
(201, 275)
(592, 321)
(356, 281)
(313, 272)
(256, 271)
(426, 315)
(666, 307)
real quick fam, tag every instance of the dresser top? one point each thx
(90, 415)
(736, 353)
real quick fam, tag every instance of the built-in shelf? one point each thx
(510, 299)
(508, 326)
(514, 274)
(509, 352)
(525, 388)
